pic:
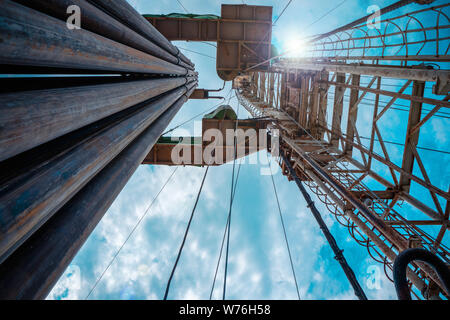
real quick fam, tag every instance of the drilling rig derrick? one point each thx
(61, 168)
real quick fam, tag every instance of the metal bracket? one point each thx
(442, 86)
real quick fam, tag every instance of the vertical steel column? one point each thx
(283, 91)
(415, 113)
(323, 93)
(352, 113)
(337, 109)
(304, 101)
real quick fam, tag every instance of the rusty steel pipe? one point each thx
(124, 12)
(31, 38)
(29, 202)
(28, 119)
(97, 21)
(32, 271)
(378, 223)
(357, 289)
(387, 251)
(390, 233)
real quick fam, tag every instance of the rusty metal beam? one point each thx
(418, 223)
(392, 7)
(283, 90)
(182, 29)
(271, 90)
(203, 94)
(262, 87)
(352, 113)
(161, 154)
(413, 98)
(417, 74)
(415, 112)
(323, 103)
(385, 194)
(313, 103)
(441, 233)
(304, 100)
(255, 87)
(337, 109)
(405, 196)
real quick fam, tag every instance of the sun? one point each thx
(293, 44)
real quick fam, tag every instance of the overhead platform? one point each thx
(243, 34)
(215, 146)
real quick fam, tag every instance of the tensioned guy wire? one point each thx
(224, 235)
(284, 228)
(131, 233)
(185, 235)
(231, 206)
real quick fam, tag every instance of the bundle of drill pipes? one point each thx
(69, 144)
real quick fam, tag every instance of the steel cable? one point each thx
(185, 235)
(130, 234)
(284, 229)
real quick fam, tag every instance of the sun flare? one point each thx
(294, 46)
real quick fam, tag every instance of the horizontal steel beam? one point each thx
(440, 58)
(379, 71)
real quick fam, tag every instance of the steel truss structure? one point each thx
(315, 102)
(419, 35)
(71, 137)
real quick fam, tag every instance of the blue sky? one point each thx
(258, 262)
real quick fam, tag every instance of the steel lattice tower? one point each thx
(357, 177)
(68, 145)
